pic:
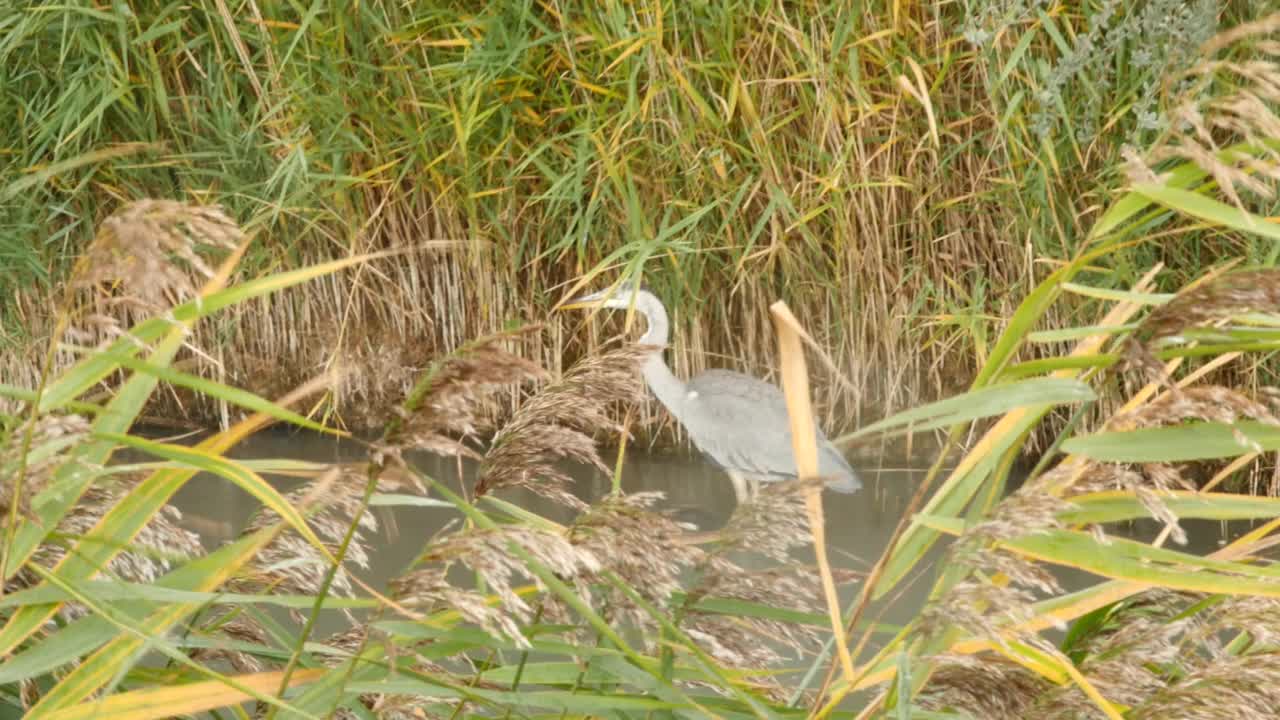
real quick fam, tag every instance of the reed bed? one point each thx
(900, 174)
(109, 609)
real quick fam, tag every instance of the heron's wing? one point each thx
(740, 422)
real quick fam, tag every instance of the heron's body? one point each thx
(739, 422)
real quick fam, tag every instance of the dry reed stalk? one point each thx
(850, 198)
(795, 385)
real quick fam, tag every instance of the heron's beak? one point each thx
(586, 301)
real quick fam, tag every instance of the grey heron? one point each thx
(737, 421)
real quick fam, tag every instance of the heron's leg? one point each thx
(740, 491)
(754, 481)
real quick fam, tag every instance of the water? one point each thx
(858, 526)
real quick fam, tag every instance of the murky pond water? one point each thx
(858, 526)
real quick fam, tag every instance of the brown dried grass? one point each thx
(561, 422)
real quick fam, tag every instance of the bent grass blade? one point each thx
(795, 386)
(121, 524)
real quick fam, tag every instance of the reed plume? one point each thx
(985, 688)
(385, 706)
(28, 471)
(452, 401)
(487, 553)
(560, 423)
(147, 256)
(290, 563)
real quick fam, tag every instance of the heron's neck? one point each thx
(669, 389)
(656, 315)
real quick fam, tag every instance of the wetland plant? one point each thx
(110, 608)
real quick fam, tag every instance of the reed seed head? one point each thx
(488, 553)
(646, 548)
(1223, 298)
(290, 563)
(560, 423)
(1232, 687)
(458, 395)
(230, 623)
(746, 641)
(51, 440)
(774, 522)
(147, 254)
(351, 642)
(158, 547)
(987, 686)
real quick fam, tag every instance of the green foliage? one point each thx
(866, 163)
(404, 654)
(299, 119)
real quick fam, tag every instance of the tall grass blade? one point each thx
(1178, 443)
(795, 386)
(1124, 559)
(164, 702)
(96, 671)
(231, 395)
(241, 476)
(980, 403)
(1214, 212)
(1121, 506)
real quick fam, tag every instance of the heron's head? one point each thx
(631, 297)
(620, 297)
